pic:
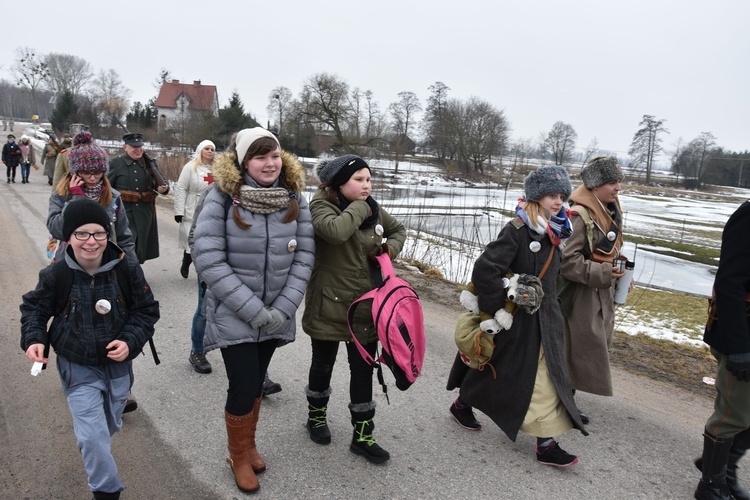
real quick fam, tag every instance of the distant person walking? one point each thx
(61, 163)
(726, 436)
(350, 227)
(94, 335)
(49, 156)
(527, 388)
(253, 247)
(588, 276)
(139, 181)
(28, 158)
(194, 180)
(11, 157)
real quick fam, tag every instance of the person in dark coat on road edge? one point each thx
(531, 390)
(726, 436)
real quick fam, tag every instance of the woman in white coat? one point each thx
(195, 178)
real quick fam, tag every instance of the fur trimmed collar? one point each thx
(228, 177)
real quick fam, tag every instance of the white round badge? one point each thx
(291, 246)
(611, 236)
(535, 246)
(379, 230)
(103, 306)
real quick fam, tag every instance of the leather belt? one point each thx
(136, 196)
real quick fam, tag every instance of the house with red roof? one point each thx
(178, 101)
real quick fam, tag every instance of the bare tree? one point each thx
(111, 97)
(67, 73)
(647, 144)
(29, 71)
(591, 150)
(279, 100)
(165, 76)
(402, 114)
(561, 142)
(478, 130)
(693, 159)
(435, 121)
(325, 100)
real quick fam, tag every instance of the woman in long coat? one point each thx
(528, 389)
(253, 247)
(49, 154)
(194, 180)
(590, 276)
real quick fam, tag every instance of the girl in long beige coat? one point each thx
(589, 276)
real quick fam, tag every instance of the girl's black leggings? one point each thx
(246, 366)
(360, 373)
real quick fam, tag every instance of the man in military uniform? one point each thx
(139, 181)
(726, 436)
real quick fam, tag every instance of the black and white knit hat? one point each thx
(81, 212)
(547, 180)
(339, 170)
(601, 170)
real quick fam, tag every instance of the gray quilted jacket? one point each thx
(267, 264)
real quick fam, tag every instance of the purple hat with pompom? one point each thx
(86, 156)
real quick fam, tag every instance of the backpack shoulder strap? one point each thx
(122, 275)
(588, 222)
(63, 285)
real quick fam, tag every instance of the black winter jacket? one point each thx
(79, 333)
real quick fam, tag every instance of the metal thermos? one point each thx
(623, 284)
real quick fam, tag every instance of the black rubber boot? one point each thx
(317, 409)
(713, 484)
(740, 444)
(187, 259)
(362, 441)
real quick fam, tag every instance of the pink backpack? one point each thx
(397, 314)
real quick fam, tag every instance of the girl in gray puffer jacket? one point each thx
(254, 249)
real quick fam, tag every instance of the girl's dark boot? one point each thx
(362, 441)
(713, 484)
(187, 259)
(317, 409)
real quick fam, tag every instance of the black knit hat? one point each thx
(547, 180)
(339, 170)
(81, 212)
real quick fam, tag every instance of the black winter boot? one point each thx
(362, 441)
(101, 495)
(713, 485)
(740, 444)
(316, 415)
(187, 259)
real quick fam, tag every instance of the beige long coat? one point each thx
(590, 327)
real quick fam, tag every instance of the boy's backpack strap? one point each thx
(122, 275)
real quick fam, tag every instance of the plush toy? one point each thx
(521, 290)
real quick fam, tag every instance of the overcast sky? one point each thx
(596, 64)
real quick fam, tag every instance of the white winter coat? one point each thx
(188, 190)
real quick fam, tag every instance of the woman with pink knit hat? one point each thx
(87, 179)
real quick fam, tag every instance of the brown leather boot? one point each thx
(259, 465)
(238, 439)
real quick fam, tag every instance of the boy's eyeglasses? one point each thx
(84, 235)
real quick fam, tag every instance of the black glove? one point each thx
(178, 218)
(739, 365)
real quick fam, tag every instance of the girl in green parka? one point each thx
(350, 226)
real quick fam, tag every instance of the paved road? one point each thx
(641, 444)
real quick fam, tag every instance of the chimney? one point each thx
(196, 82)
(175, 81)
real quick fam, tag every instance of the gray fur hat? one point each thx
(339, 170)
(601, 170)
(547, 180)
